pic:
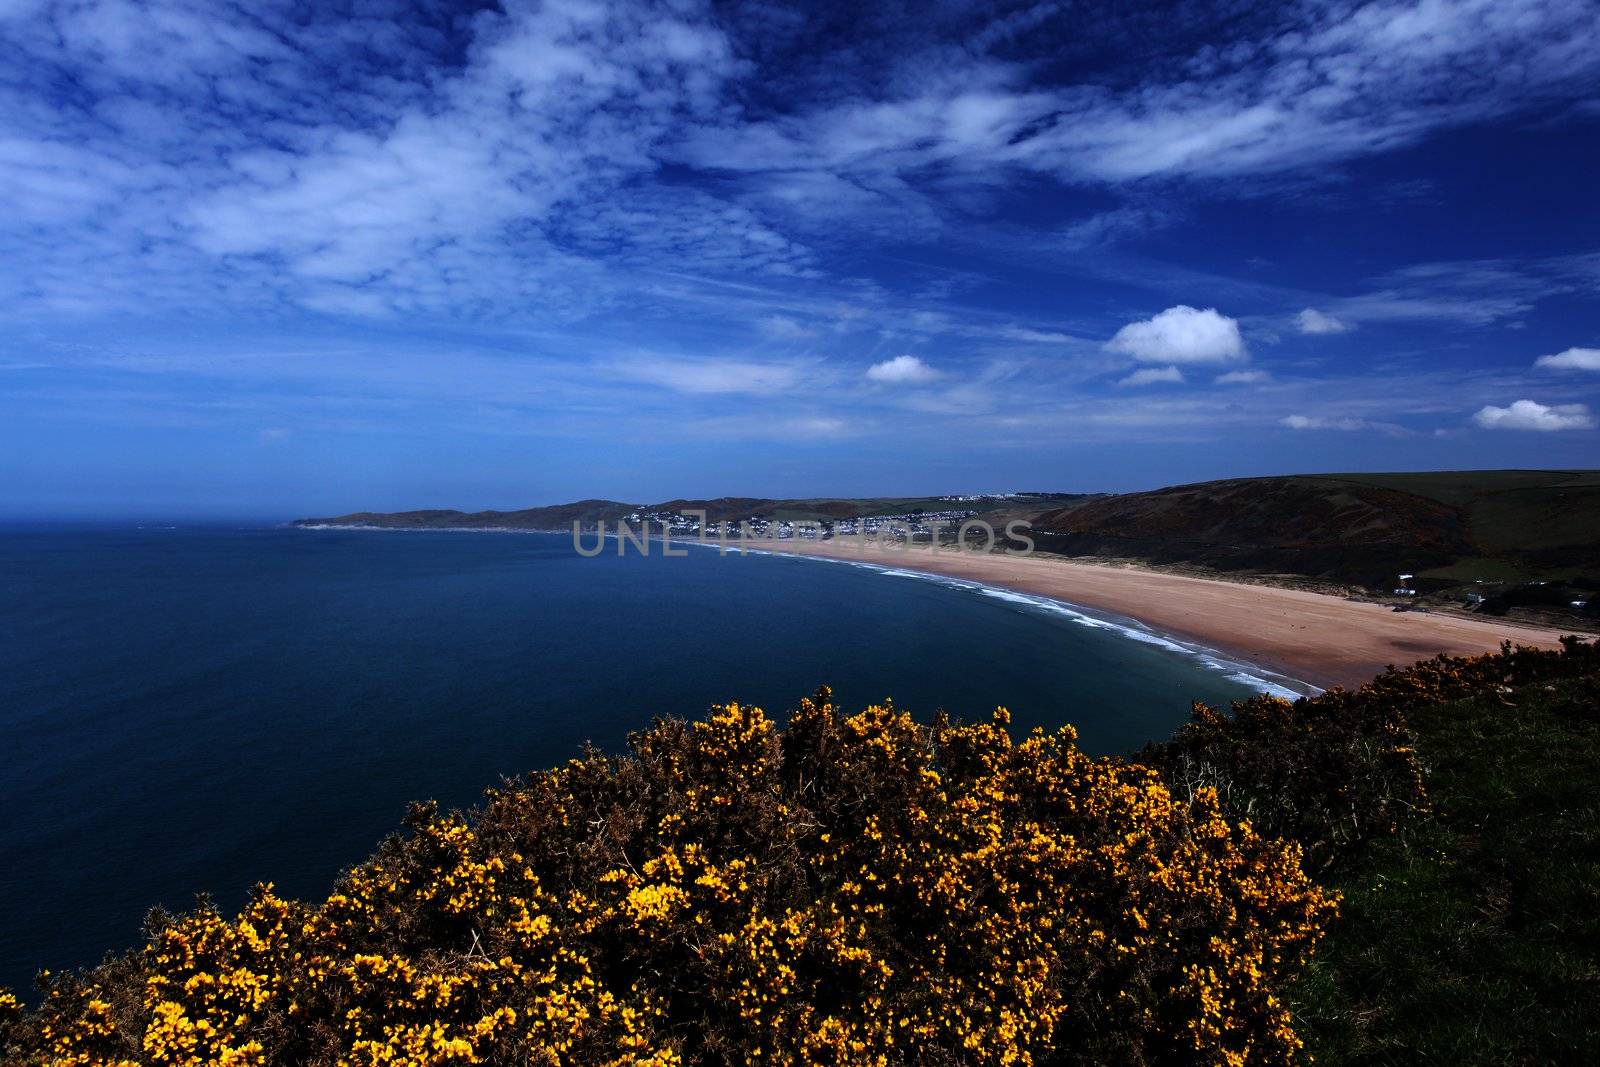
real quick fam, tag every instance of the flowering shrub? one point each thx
(849, 890)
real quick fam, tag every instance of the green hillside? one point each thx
(1453, 529)
(1474, 935)
(1451, 526)
(1509, 511)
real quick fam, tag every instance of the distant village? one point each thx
(899, 526)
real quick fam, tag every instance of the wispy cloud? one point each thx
(1153, 376)
(1321, 422)
(1032, 336)
(696, 375)
(1327, 84)
(785, 328)
(565, 218)
(527, 165)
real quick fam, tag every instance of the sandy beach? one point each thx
(1324, 640)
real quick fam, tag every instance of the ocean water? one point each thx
(196, 709)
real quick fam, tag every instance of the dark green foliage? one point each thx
(1361, 528)
(1474, 936)
(1336, 770)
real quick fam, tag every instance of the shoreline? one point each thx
(1255, 675)
(1314, 638)
(1268, 633)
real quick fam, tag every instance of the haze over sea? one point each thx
(195, 709)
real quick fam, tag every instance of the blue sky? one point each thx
(287, 258)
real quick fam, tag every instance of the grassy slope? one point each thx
(1476, 937)
(1458, 525)
(1508, 510)
(1297, 525)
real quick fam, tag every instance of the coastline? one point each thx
(1255, 675)
(1322, 640)
(1282, 640)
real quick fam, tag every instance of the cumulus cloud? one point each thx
(1571, 359)
(1243, 377)
(902, 370)
(1181, 334)
(1153, 376)
(1532, 415)
(1313, 321)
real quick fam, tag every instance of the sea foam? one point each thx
(1258, 678)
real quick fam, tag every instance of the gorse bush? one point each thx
(855, 889)
(850, 890)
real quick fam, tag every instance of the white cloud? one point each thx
(1571, 359)
(1466, 292)
(1181, 334)
(785, 328)
(1313, 321)
(712, 376)
(1108, 227)
(1153, 376)
(536, 169)
(515, 161)
(1319, 422)
(902, 370)
(1326, 82)
(817, 426)
(1532, 415)
(1031, 336)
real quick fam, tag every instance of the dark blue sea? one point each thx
(196, 709)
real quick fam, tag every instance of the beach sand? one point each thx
(1324, 640)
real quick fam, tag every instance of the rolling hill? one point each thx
(717, 509)
(1448, 527)
(554, 517)
(1364, 528)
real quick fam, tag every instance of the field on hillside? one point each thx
(1474, 936)
(1452, 528)
(1513, 512)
